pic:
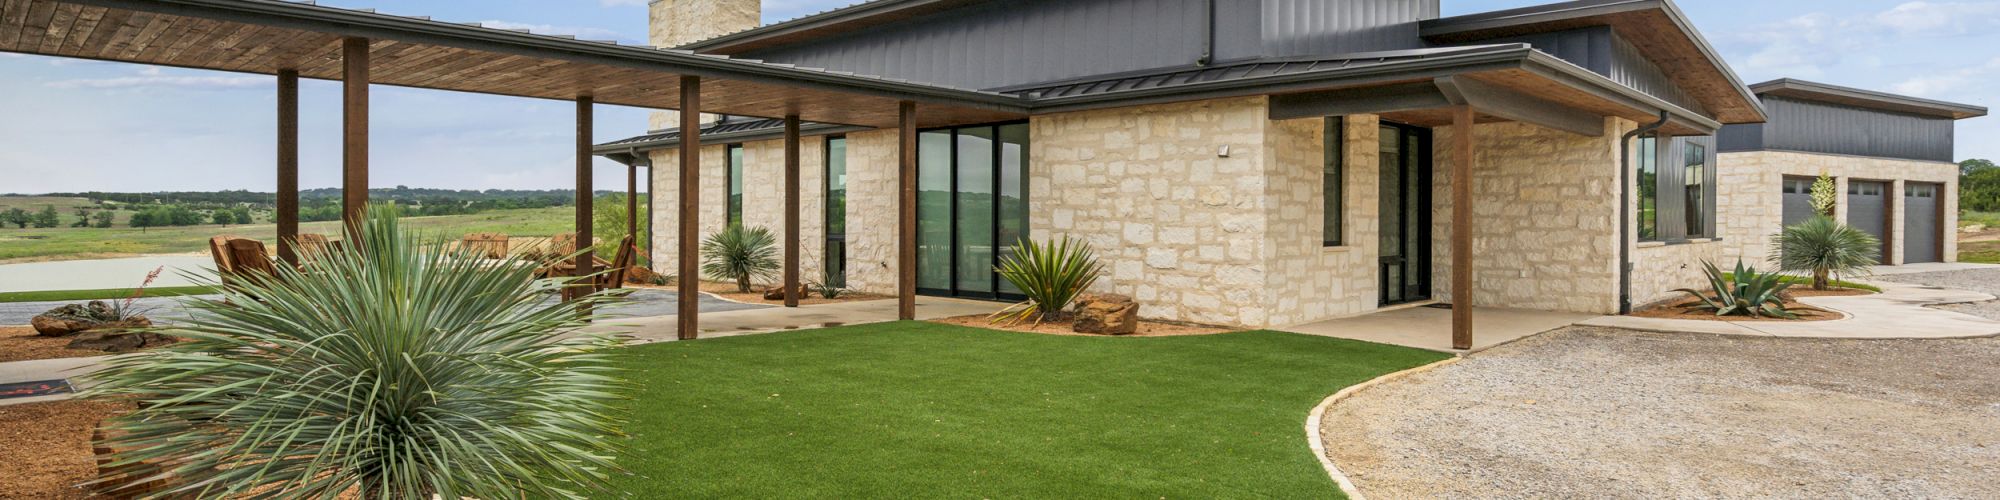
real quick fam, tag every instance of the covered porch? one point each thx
(360, 48)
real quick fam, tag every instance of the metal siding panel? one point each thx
(1740, 138)
(1797, 125)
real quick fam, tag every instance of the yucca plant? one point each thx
(738, 254)
(1824, 248)
(1744, 292)
(394, 368)
(1052, 274)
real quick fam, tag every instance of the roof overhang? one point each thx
(631, 151)
(265, 36)
(1868, 99)
(1657, 27)
(857, 17)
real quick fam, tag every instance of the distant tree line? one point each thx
(1978, 186)
(188, 208)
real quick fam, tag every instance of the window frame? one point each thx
(833, 260)
(1694, 189)
(1647, 174)
(1333, 183)
(733, 159)
(954, 289)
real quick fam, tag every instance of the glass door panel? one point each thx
(934, 210)
(1405, 214)
(1013, 195)
(975, 232)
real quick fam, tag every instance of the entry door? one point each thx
(1868, 209)
(1920, 223)
(1406, 214)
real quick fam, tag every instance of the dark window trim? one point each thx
(1696, 214)
(826, 214)
(732, 207)
(1647, 156)
(1027, 163)
(1333, 204)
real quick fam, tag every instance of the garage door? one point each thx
(1920, 223)
(1798, 200)
(1868, 208)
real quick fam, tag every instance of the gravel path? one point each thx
(1979, 280)
(1602, 413)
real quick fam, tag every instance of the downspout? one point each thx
(1625, 212)
(1208, 39)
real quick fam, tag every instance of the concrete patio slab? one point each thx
(1430, 328)
(765, 320)
(101, 273)
(1898, 312)
(1929, 267)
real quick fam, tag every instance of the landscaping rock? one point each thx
(77, 318)
(116, 340)
(778, 293)
(1107, 314)
(640, 274)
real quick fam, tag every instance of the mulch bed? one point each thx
(1064, 327)
(20, 343)
(1688, 308)
(46, 447)
(756, 296)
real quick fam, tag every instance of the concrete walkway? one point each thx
(733, 323)
(1929, 267)
(101, 274)
(1430, 328)
(1898, 312)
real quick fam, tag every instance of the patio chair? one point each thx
(485, 245)
(236, 257)
(310, 244)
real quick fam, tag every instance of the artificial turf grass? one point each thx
(106, 294)
(913, 409)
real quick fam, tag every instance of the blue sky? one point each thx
(122, 127)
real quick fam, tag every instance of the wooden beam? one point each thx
(354, 132)
(288, 166)
(1494, 100)
(690, 208)
(906, 211)
(1461, 227)
(585, 266)
(791, 285)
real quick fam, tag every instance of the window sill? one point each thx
(1692, 241)
(1337, 249)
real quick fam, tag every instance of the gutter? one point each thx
(1625, 211)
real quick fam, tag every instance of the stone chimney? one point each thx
(672, 23)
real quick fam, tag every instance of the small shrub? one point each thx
(1824, 248)
(825, 287)
(1051, 274)
(1744, 292)
(738, 254)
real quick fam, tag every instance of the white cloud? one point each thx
(1804, 46)
(583, 32)
(1950, 18)
(153, 77)
(1961, 83)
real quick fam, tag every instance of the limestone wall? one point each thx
(672, 23)
(763, 199)
(1308, 280)
(1750, 200)
(871, 211)
(1545, 206)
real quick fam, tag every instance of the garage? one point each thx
(1921, 234)
(1798, 200)
(1868, 209)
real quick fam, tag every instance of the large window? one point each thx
(971, 207)
(1694, 174)
(1648, 160)
(1332, 183)
(735, 181)
(836, 211)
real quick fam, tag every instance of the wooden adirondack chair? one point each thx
(313, 244)
(485, 245)
(236, 257)
(620, 265)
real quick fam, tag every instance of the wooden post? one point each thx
(690, 205)
(354, 132)
(288, 166)
(791, 211)
(585, 266)
(632, 204)
(1461, 227)
(906, 211)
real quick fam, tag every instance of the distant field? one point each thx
(64, 243)
(65, 206)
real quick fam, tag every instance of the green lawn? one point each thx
(925, 410)
(115, 293)
(66, 243)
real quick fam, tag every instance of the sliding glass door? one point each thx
(971, 208)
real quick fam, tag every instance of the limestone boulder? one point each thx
(116, 340)
(778, 293)
(78, 318)
(1107, 314)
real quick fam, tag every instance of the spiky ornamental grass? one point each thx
(1824, 248)
(1052, 274)
(738, 254)
(395, 369)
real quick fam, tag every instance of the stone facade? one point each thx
(1750, 201)
(763, 166)
(1545, 206)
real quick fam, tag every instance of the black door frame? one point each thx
(1416, 269)
(1027, 163)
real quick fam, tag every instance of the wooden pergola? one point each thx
(362, 48)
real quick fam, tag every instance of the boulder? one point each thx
(778, 293)
(1106, 314)
(641, 275)
(77, 318)
(116, 340)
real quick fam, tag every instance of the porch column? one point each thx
(585, 266)
(791, 285)
(288, 166)
(906, 211)
(354, 132)
(690, 213)
(1461, 227)
(632, 208)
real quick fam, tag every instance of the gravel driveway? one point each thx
(1980, 280)
(1592, 412)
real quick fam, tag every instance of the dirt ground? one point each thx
(1066, 326)
(20, 343)
(756, 295)
(1604, 413)
(46, 447)
(1687, 308)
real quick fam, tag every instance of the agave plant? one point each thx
(825, 285)
(1051, 274)
(394, 368)
(738, 254)
(1744, 292)
(1823, 248)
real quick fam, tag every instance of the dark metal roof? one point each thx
(1140, 81)
(1821, 92)
(831, 22)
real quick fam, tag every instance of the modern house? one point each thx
(1273, 162)
(1890, 156)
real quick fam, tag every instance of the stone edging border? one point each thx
(1317, 440)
